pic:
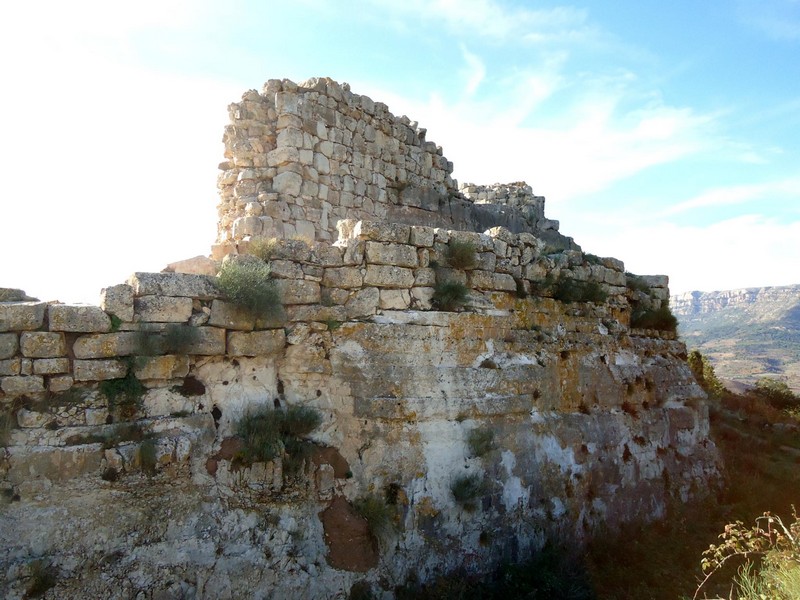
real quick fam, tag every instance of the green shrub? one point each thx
(777, 393)
(263, 248)
(147, 457)
(480, 441)
(450, 295)
(467, 488)
(378, 514)
(636, 283)
(247, 284)
(592, 259)
(461, 255)
(267, 433)
(704, 372)
(660, 318)
(570, 290)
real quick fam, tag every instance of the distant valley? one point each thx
(746, 333)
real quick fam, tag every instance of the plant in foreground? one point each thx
(450, 295)
(461, 255)
(248, 284)
(266, 434)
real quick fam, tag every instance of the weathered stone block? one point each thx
(50, 366)
(486, 261)
(163, 309)
(394, 299)
(257, 343)
(315, 312)
(108, 345)
(10, 367)
(162, 367)
(60, 383)
(364, 303)
(8, 345)
(388, 276)
(401, 255)
(298, 291)
(288, 183)
(78, 318)
(421, 237)
(326, 255)
(282, 156)
(343, 277)
(21, 316)
(54, 464)
(286, 269)
(118, 300)
(43, 344)
(231, 316)
(99, 370)
(187, 285)
(17, 385)
(382, 232)
(422, 297)
(209, 341)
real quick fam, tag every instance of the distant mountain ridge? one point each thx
(746, 333)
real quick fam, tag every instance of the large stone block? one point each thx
(201, 287)
(118, 300)
(388, 276)
(257, 343)
(8, 345)
(162, 367)
(394, 299)
(401, 255)
(231, 316)
(10, 367)
(163, 309)
(288, 183)
(79, 318)
(50, 366)
(209, 341)
(21, 316)
(343, 277)
(17, 385)
(364, 303)
(99, 370)
(43, 344)
(54, 464)
(298, 291)
(421, 236)
(108, 345)
(382, 232)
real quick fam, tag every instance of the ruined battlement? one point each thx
(301, 158)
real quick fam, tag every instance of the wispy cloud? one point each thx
(740, 194)
(475, 71)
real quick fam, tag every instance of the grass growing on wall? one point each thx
(268, 433)
(661, 319)
(450, 295)
(461, 255)
(248, 284)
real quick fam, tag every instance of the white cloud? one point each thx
(475, 71)
(739, 194)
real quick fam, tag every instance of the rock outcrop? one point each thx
(478, 427)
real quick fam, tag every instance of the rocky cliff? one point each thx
(414, 436)
(747, 333)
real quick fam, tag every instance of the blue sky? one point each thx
(666, 134)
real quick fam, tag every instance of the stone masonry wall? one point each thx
(300, 158)
(594, 424)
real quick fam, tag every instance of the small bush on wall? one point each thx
(248, 285)
(461, 255)
(450, 295)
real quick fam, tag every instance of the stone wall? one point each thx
(592, 423)
(300, 158)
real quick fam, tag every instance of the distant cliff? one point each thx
(747, 333)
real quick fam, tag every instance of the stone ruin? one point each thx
(593, 423)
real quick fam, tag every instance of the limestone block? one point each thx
(60, 383)
(660, 293)
(401, 255)
(96, 416)
(78, 318)
(481, 280)
(285, 269)
(162, 367)
(163, 309)
(203, 265)
(656, 281)
(42, 344)
(8, 345)
(290, 136)
(118, 300)
(486, 261)
(297, 291)
(467, 237)
(54, 464)
(315, 312)
(28, 419)
(343, 277)
(363, 303)
(535, 272)
(257, 343)
(26, 366)
(108, 345)
(394, 299)
(422, 297)
(231, 316)
(388, 276)
(613, 263)
(282, 156)
(21, 316)
(16, 385)
(50, 366)
(354, 252)
(288, 183)
(294, 250)
(10, 367)
(201, 287)
(209, 341)
(326, 255)
(425, 277)
(99, 370)
(247, 226)
(614, 278)
(382, 232)
(581, 273)
(421, 236)
(451, 275)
